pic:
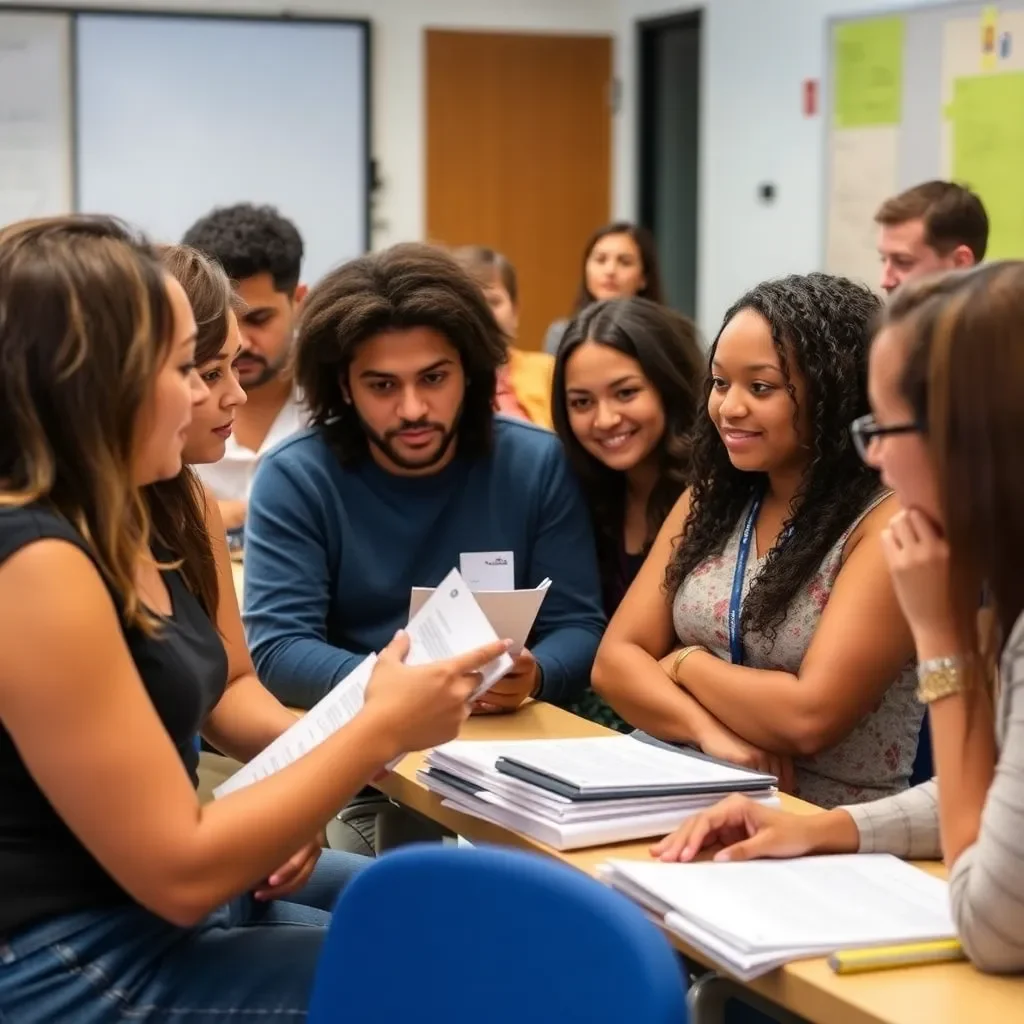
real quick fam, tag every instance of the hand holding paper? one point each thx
(425, 678)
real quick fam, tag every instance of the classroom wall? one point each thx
(398, 70)
(757, 54)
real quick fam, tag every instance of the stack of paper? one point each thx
(450, 623)
(753, 916)
(584, 792)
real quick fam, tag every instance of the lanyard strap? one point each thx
(736, 601)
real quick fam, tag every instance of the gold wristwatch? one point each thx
(938, 678)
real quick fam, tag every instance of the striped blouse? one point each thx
(987, 881)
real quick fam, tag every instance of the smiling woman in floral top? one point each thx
(763, 626)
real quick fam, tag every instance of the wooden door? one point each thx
(519, 154)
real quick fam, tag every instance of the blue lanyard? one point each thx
(736, 601)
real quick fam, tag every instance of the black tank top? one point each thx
(44, 870)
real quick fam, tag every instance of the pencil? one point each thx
(880, 958)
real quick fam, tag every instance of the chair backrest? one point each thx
(483, 934)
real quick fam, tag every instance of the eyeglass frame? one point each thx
(864, 430)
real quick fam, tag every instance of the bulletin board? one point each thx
(933, 92)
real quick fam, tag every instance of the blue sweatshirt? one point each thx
(332, 552)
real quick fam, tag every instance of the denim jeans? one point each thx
(246, 961)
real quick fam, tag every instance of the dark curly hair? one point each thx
(247, 240)
(408, 285)
(667, 347)
(821, 326)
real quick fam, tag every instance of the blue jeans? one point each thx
(247, 961)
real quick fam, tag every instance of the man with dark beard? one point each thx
(405, 469)
(262, 254)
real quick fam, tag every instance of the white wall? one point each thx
(398, 65)
(757, 53)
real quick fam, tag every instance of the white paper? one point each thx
(324, 719)
(599, 762)
(488, 570)
(511, 613)
(863, 173)
(450, 623)
(755, 915)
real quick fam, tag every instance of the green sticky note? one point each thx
(988, 153)
(868, 82)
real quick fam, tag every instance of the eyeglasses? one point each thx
(864, 430)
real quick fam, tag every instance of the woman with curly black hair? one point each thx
(769, 576)
(626, 395)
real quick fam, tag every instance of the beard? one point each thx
(385, 443)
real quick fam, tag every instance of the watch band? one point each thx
(938, 678)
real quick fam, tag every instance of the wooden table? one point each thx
(938, 994)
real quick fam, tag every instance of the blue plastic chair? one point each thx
(463, 936)
(924, 766)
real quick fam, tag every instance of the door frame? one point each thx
(645, 37)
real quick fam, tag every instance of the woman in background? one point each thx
(627, 392)
(620, 260)
(524, 382)
(947, 374)
(769, 575)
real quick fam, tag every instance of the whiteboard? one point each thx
(35, 116)
(949, 104)
(179, 114)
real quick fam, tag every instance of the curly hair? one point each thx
(247, 240)
(821, 327)
(408, 285)
(667, 347)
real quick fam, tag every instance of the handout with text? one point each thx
(449, 623)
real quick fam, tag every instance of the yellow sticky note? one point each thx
(868, 70)
(988, 153)
(989, 38)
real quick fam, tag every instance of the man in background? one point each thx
(261, 251)
(929, 228)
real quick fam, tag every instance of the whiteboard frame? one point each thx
(72, 12)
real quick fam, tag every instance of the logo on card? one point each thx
(496, 561)
(454, 593)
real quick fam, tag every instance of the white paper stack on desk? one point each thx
(753, 916)
(571, 793)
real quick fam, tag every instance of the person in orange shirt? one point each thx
(524, 382)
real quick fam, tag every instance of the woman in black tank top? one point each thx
(120, 895)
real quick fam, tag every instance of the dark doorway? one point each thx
(669, 123)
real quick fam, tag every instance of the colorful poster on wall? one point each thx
(868, 85)
(987, 121)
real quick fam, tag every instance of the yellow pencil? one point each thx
(880, 958)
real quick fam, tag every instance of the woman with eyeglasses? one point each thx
(946, 436)
(763, 627)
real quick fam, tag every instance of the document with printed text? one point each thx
(449, 623)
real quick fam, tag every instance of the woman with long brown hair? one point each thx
(121, 896)
(946, 380)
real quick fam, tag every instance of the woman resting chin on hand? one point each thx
(946, 375)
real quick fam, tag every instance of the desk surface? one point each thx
(939, 994)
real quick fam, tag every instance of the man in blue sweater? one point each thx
(405, 469)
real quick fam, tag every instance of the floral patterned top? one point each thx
(876, 758)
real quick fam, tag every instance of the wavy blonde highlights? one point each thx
(85, 324)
